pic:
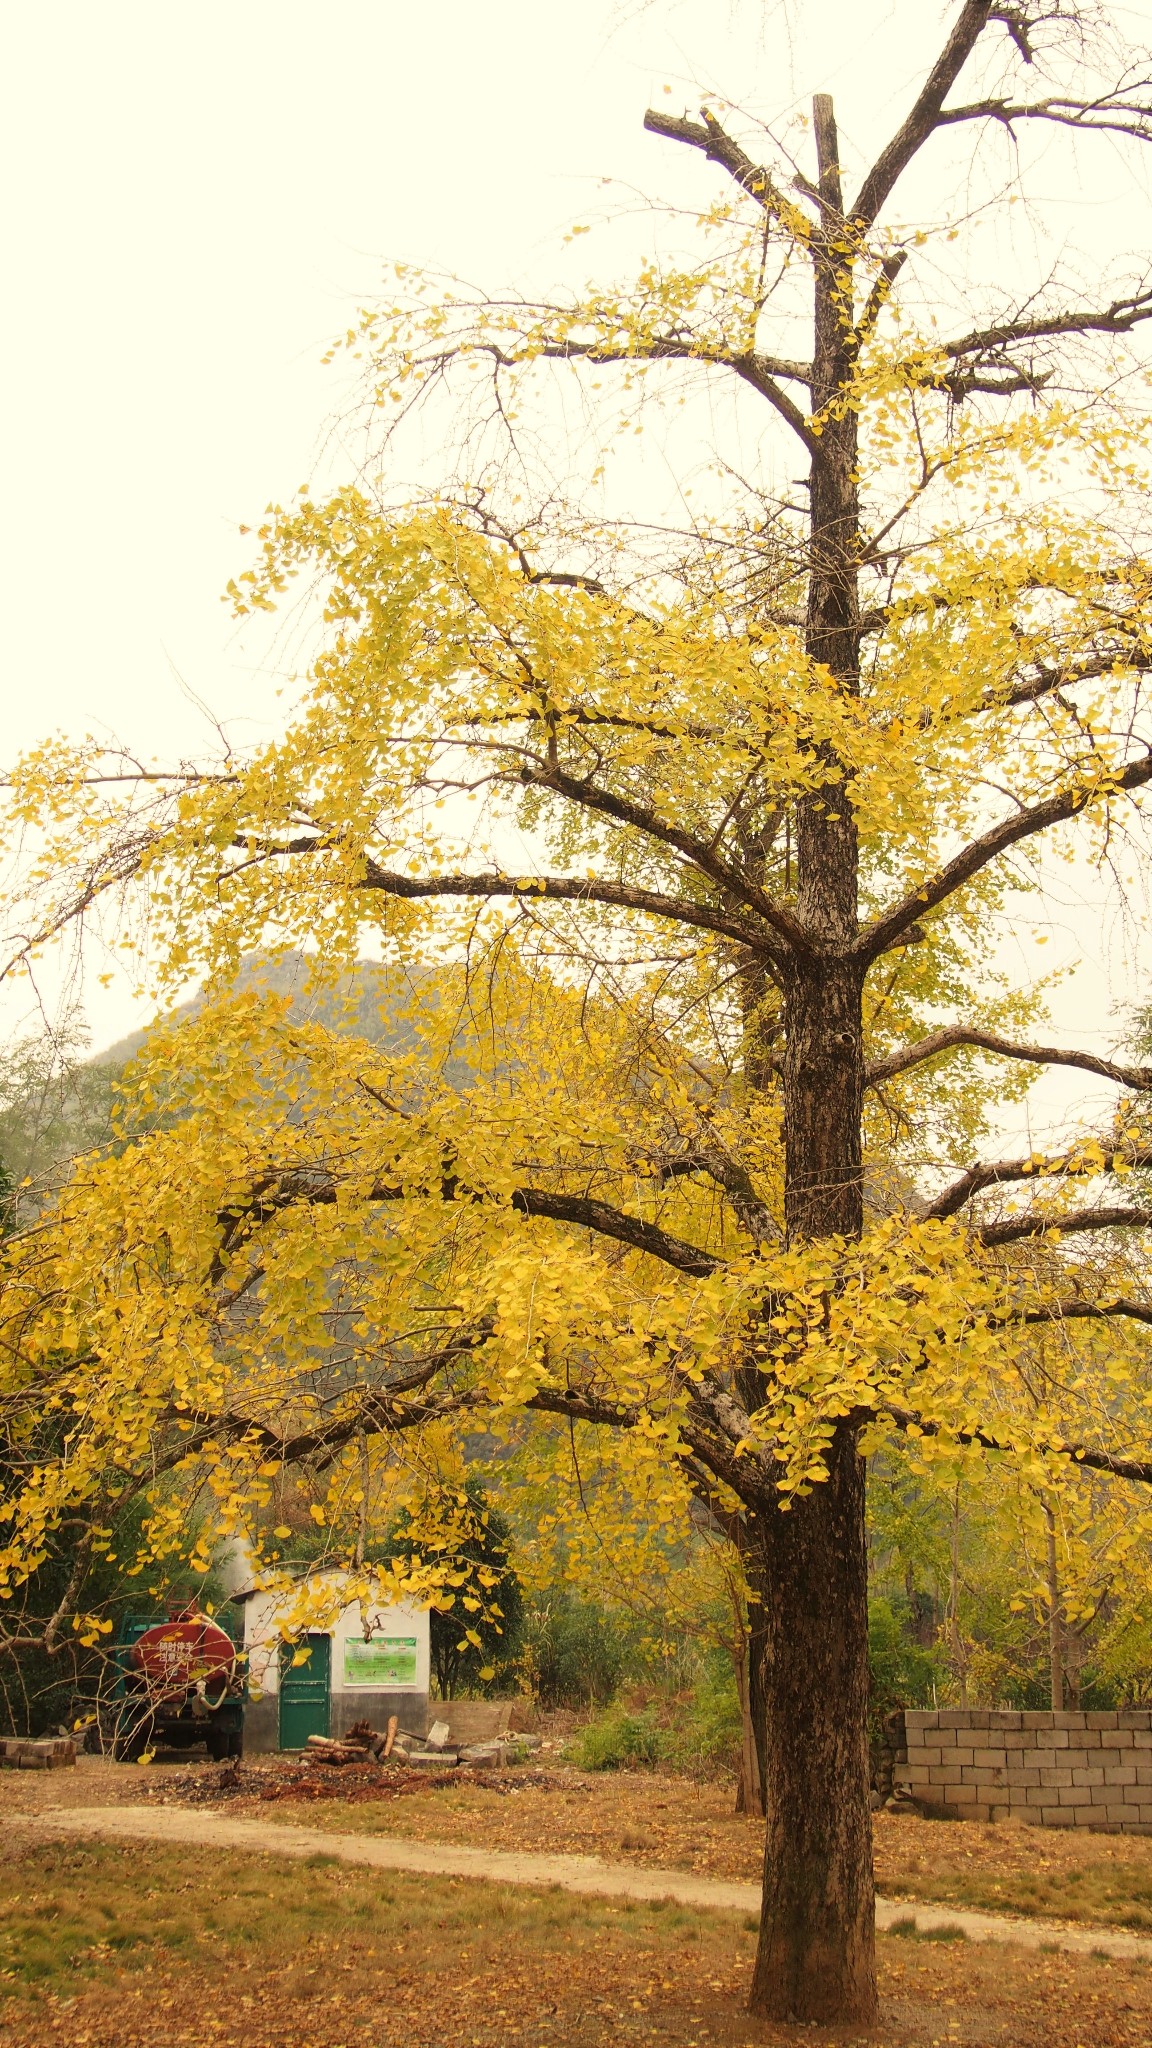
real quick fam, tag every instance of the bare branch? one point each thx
(1022, 824)
(1123, 111)
(1117, 318)
(707, 135)
(1011, 1229)
(1139, 1078)
(987, 351)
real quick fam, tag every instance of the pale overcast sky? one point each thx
(198, 200)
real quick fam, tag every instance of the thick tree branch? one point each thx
(664, 348)
(750, 1212)
(710, 1433)
(1077, 1310)
(1136, 654)
(1084, 1165)
(1118, 318)
(641, 818)
(760, 371)
(753, 369)
(1138, 1078)
(1111, 114)
(707, 135)
(1022, 824)
(1011, 1229)
(562, 889)
(706, 1437)
(585, 1212)
(1138, 1469)
(925, 115)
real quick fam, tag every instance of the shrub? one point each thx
(576, 1654)
(705, 1736)
(619, 1742)
(903, 1671)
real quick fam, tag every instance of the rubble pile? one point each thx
(432, 1752)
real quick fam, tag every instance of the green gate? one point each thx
(304, 1691)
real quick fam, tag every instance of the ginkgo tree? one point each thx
(721, 820)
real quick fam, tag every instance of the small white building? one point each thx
(317, 1665)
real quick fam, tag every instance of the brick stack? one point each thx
(1090, 1770)
(47, 1753)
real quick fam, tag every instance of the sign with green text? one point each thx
(385, 1661)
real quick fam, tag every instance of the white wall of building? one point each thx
(377, 1647)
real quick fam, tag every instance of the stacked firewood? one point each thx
(360, 1744)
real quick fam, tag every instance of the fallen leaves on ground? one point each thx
(116, 1946)
(623, 1817)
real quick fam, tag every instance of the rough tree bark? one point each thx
(816, 1955)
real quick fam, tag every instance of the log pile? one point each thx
(436, 1751)
(361, 1744)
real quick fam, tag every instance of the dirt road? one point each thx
(588, 1874)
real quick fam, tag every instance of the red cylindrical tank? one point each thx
(174, 1656)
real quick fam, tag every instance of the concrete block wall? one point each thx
(1084, 1770)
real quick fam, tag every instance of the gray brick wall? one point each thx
(1052, 1770)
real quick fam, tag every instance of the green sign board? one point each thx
(385, 1661)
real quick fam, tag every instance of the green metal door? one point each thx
(304, 1691)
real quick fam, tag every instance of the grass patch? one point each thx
(71, 1911)
(1037, 1873)
(909, 1929)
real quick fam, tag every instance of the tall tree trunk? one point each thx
(808, 1565)
(816, 1957)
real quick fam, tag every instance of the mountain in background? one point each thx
(56, 1100)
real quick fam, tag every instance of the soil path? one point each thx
(569, 1873)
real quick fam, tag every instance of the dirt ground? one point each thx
(106, 1945)
(634, 1817)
